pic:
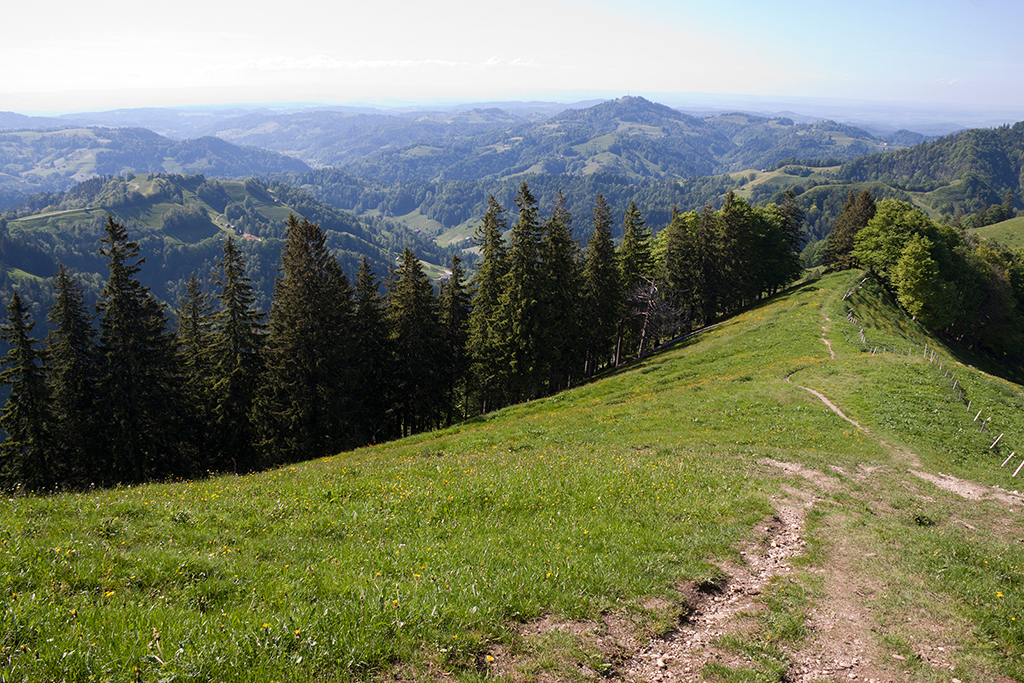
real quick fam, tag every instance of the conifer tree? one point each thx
(636, 267)
(692, 269)
(736, 251)
(453, 318)
(484, 340)
(559, 335)
(304, 408)
(858, 210)
(635, 259)
(236, 349)
(193, 340)
(521, 314)
(71, 372)
(373, 351)
(139, 382)
(415, 344)
(602, 290)
(25, 455)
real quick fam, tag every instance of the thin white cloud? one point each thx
(325, 63)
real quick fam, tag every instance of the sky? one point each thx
(106, 54)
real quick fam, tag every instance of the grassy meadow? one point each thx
(414, 559)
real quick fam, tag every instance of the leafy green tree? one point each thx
(602, 295)
(139, 383)
(879, 245)
(304, 406)
(71, 372)
(25, 454)
(415, 344)
(488, 375)
(373, 354)
(236, 347)
(919, 286)
(453, 316)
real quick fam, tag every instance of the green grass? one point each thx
(1009, 233)
(420, 555)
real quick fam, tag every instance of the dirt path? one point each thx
(719, 610)
(842, 643)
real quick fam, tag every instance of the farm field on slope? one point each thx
(424, 558)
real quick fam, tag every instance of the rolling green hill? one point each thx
(569, 538)
(180, 222)
(630, 137)
(55, 159)
(1010, 233)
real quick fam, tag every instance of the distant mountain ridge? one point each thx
(55, 159)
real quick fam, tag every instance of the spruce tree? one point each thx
(559, 340)
(857, 211)
(139, 379)
(236, 347)
(636, 271)
(71, 372)
(453, 317)
(193, 337)
(373, 354)
(602, 291)
(737, 253)
(692, 269)
(415, 343)
(304, 407)
(488, 376)
(26, 453)
(521, 315)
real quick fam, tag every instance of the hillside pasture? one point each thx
(431, 557)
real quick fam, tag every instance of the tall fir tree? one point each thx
(139, 383)
(304, 408)
(26, 457)
(692, 268)
(636, 271)
(71, 372)
(194, 336)
(737, 252)
(488, 375)
(602, 294)
(373, 351)
(559, 346)
(453, 317)
(236, 352)
(415, 344)
(521, 314)
(858, 210)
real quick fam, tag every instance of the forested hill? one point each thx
(630, 136)
(54, 159)
(180, 223)
(966, 170)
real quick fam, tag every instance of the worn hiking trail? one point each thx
(842, 641)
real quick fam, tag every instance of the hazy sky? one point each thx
(104, 54)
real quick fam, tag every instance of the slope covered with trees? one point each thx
(225, 390)
(180, 223)
(52, 160)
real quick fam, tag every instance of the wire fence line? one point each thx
(929, 353)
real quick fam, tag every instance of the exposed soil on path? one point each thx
(842, 641)
(721, 609)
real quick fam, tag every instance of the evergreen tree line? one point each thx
(121, 397)
(969, 291)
